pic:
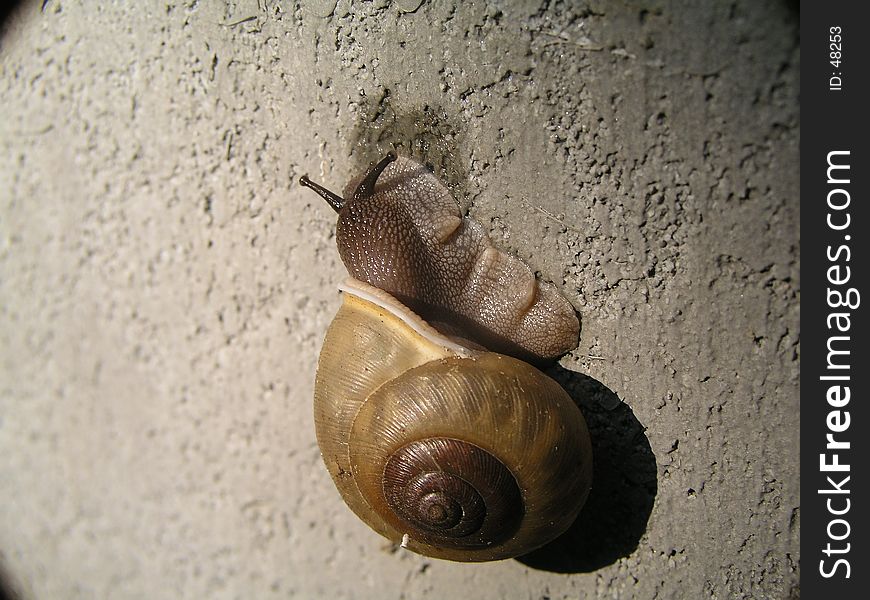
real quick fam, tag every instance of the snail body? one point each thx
(400, 230)
(435, 441)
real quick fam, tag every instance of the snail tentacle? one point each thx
(334, 200)
(366, 187)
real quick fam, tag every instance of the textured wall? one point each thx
(166, 284)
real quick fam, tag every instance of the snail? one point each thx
(434, 427)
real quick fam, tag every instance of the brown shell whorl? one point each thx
(452, 493)
(457, 454)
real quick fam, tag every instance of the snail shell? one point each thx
(434, 436)
(457, 453)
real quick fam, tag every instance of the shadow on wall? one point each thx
(428, 135)
(624, 484)
(8, 587)
(6, 10)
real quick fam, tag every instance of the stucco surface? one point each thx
(165, 284)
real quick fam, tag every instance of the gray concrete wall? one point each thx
(166, 284)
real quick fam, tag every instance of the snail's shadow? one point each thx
(624, 484)
(430, 134)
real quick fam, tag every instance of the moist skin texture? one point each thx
(408, 238)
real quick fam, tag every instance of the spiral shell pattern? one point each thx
(453, 493)
(460, 454)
